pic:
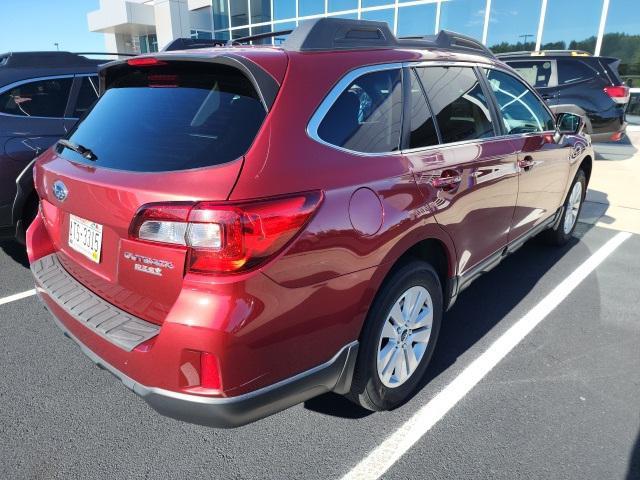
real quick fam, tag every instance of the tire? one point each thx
(375, 387)
(572, 207)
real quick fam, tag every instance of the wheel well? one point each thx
(586, 167)
(435, 253)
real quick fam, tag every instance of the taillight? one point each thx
(225, 237)
(618, 93)
(145, 62)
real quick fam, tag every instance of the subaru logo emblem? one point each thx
(60, 190)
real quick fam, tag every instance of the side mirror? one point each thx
(568, 124)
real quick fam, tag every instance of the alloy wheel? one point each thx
(405, 336)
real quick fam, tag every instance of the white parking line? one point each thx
(383, 457)
(17, 296)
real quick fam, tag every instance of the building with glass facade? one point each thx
(601, 27)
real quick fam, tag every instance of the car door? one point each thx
(468, 176)
(32, 118)
(542, 163)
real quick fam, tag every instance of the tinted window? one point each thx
(521, 110)
(536, 73)
(43, 98)
(87, 95)
(367, 116)
(458, 102)
(570, 71)
(171, 118)
(423, 129)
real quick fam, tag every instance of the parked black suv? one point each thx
(42, 95)
(574, 81)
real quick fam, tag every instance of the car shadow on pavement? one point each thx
(16, 251)
(478, 309)
(623, 149)
(634, 461)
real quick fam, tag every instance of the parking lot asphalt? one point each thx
(565, 403)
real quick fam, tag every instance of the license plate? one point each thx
(85, 237)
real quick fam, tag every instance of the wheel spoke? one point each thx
(421, 336)
(423, 318)
(419, 302)
(388, 331)
(400, 368)
(387, 371)
(397, 315)
(410, 358)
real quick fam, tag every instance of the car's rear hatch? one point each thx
(163, 131)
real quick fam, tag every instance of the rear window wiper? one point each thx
(76, 147)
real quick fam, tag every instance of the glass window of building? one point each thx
(463, 16)
(310, 7)
(260, 11)
(521, 110)
(42, 98)
(458, 102)
(279, 27)
(513, 26)
(571, 24)
(240, 33)
(284, 9)
(239, 14)
(341, 5)
(375, 3)
(386, 15)
(220, 14)
(367, 116)
(258, 31)
(622, 38)
(417, 20)
(423, 128)
(201, 35)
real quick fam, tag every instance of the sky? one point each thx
(37, 24)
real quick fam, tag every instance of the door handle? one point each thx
(446, 182)
(526, 164)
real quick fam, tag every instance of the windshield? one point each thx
(170, 117)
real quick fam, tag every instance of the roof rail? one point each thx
(45, 59)
(339, 34)
(455, 41)
(347, 34)
(257, 36)
(544, 53)
(193, 43)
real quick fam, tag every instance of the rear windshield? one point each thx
(170, 117)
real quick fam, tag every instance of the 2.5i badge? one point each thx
(152, 266)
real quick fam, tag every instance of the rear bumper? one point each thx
(335, 375)
(83, 315)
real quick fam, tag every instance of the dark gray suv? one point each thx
(42, 96)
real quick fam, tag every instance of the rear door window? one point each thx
(458, 102)
(521, 110)
(41, 98)
(87, 95)
(171, 117)
(367, 116)
(423, 131)
(538, 73)
(572, 70)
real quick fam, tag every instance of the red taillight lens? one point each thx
(226, 238)
(618, 93)
(209, 371)
(145, 62)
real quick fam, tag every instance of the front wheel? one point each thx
(399, 337)
(572, 207)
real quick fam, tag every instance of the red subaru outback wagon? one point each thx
(233, 230)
